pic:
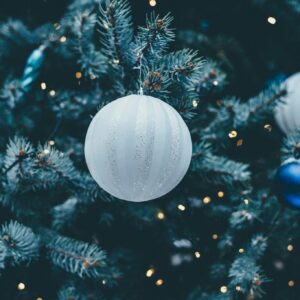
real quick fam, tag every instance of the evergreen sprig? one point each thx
(93, 63)
(18, 243)
(212, 79)
(86, 260)
(182, 65)
(218, 170)
(116, 31)
(153, 39)
(64, 214)
(257, 108)
(291, 147)
(245, 272)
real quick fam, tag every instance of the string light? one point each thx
(290, 247)
(39, 298)
(43, 85)
(241, 250)
(246, 201)
(63, 39)
(221, 194)
(21, 286)
(215, 82)
(238, 288)
(56, 26)
(232, 134)
(268, 127)
(195, 103)
(240, 142)
(152, 3)
(78, 75)
(206, 200)
(272, 20)
(181, 207)
(197, 254)
(92, 76)
(215, 236)
(116, 61)
(51, 143)
(150, 272)
(291, 283)
(223, 289)
(160, 215)
(104, 282)
(46, 151)
(52, 93)
(159, 282)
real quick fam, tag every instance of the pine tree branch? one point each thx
(153, 39)
(267, 102)
(18, 243)
(18, 161)
(84, 259)
(116, 31)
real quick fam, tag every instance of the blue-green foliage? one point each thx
(173, 72)
(92, 61)
(86, 260)
(200, 293)
(294, 4)
(153, 39)
(40, 168)
(211, 78)
(116, 31)
(18, 244)
(182, 65)
(217, 169)
(73, 291)
(291, 147)
(258, 108)
(70, 293)
(28, 169)
(245, 272)
(47, 187)
(10, 95)
(64, 214)
(15, 35)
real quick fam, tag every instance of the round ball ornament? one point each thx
(138, 148)
(288, 184)
(287, 112)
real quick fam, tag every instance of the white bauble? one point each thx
(138, 148)
(287, 113)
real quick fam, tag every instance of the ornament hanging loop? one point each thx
(139, 67)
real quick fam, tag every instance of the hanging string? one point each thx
(139, 67)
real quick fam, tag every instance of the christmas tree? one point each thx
(224, 232)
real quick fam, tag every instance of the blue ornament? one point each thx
(288, 184)
(32, 68)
